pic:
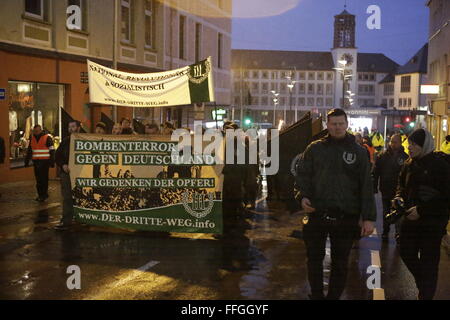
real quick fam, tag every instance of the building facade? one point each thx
(323, 80)
(439, 68)
(44, 68)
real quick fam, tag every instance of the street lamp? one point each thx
(275, 103)
(345, 77)
(290, 85)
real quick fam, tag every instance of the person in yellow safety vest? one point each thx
(377, 140)
(405, 143)
(445, 146)
(42, 152)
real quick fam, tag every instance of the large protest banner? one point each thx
(135, 182)
(183, 86)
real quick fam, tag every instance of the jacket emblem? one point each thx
(349, 158)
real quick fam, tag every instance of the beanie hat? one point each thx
(418, 137)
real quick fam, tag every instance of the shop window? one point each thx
(31, 104)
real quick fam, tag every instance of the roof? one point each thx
(375, 62)
(417, 64)
(345, 13)
(390, 77)
(276, 60)
(305, 60)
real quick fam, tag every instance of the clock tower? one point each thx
(344, 49)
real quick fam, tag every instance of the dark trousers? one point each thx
(66, 192)
(41, 168)
(420, 251)
(386, 226)
(342, 235)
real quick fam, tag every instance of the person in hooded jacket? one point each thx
(385, 177)
(424, 185)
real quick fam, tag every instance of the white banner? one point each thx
(184, 86)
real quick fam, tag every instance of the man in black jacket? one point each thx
(62, 161)
(424, 185)
(333, 177)
(385, 174)
(42, 152)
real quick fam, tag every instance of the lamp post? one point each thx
(275, 103)
(341, 70)
(290, 86)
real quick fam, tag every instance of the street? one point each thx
(125, 264)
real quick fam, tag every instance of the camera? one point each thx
(397, 211)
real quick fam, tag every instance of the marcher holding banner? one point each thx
(62, 161)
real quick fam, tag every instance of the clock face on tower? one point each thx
(347, 57)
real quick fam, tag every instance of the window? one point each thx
(310, 88)
(329, 89)
(265, 75)
(310, 102)
(329, 76)
(182, 37)
(264, 101)
(311, 76)
(246, 74)
(265, 88)
(391, 103)
(388, 89)
(282, 101)
(301, 88)
(384, 102)
(301, 102)
(405, 84)
(320, 76)
(255, 101)
(409, 102)
(400, 102)
(32, 103)
(329, 102)
(273, 86)
(283, 88)
(274, 75)
(34, 8)
(126, 21)
(219, 50)
(255, 74)
(255, 87)
(366, 90)
(198, 41)
(302, 76)
(319, 102)
(319, 88)
(149, 23)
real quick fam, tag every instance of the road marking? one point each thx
(375, 255)
(378, 294)
(262, 199)
(130, 277)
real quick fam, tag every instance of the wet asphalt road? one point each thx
(267, 262)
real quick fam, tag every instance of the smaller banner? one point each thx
(183, 86)
(134, 182)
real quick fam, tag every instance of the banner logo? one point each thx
(200, 205)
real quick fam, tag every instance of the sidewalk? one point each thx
(17, 198)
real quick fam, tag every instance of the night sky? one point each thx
(307, 25)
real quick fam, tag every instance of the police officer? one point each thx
(424, 185)
(62, 161)
(336, 192)
(42, 152)
(385, 174)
